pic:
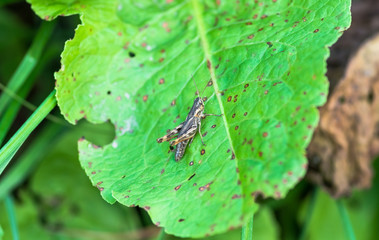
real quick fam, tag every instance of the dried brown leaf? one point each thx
(347, 138)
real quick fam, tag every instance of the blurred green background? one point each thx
(44, 193)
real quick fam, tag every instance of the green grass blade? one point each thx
(11, 147)
(247, 230)
(345, 220)
(29, 159)
(309, 214)
(28, 63)
(12, 217)
(11, 111)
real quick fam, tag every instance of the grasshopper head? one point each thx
(198, 106)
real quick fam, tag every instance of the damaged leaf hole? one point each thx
(370, 97)
(132, 54)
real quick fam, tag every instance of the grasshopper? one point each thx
(186, 131)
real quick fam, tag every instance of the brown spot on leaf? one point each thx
(236, 196)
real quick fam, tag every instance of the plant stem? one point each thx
(28, 63)
(345, 220)
(11, 147)
(161, 235)
(247, 230)
(308, 216)
(12, 217)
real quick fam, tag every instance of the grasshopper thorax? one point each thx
(197, 108)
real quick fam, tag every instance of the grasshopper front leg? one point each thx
(205, 115)
(201, 136)
(171, 134)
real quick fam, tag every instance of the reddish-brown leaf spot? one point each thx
(181, 220)
(145, 98)
(229, 98)
(233, 115)
(277, 194)
(265, 134)
(235, 196)
(209, 65)
(161, 81)
(177, 187)
(236, 127)
(260, 154)
(316, 31)
(191, 163)
(245, 114)
(213, 126)
(201, 189)
(202, 152)
(173, 102)
(251, 36)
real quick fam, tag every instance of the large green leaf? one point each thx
(131, 62)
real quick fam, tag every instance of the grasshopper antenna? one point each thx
(197, 88)
(198, 92)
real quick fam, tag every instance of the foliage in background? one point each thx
(132, 63)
